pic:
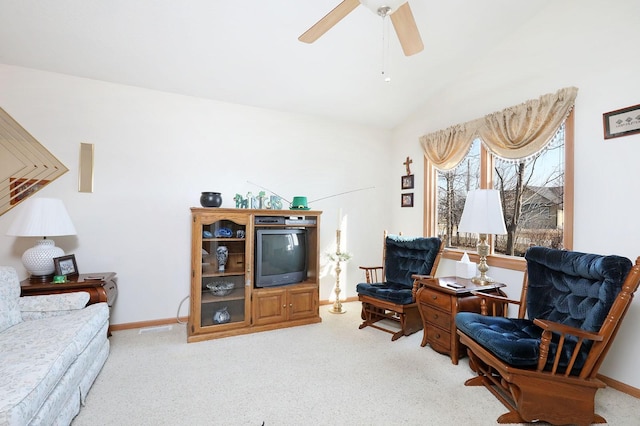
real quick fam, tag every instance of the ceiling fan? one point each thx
(401, 17)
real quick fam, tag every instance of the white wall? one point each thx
(155, 152)
(587, 44)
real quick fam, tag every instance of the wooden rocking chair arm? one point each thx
(371, 273)
(495, 297)
(558, 328)
(494, 304)
(562, 330)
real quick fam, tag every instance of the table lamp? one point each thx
(483, 215)
(42, 217)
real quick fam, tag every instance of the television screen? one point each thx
(281, 257)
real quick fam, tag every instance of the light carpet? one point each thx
(329, 373)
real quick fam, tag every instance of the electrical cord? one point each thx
(178, 313)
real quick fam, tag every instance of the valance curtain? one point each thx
(514, 133)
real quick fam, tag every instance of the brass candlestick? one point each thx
(337, 305)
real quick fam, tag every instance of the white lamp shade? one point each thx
(482, 213)
(42, 217)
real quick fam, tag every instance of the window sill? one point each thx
(496, 260)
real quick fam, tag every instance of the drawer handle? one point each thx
(434, 297)
(437, 335)
(435, 316)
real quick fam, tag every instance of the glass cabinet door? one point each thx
(223, 294)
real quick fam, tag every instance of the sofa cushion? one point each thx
(49, 305)
(394, 293)
(34, 355)
(9, 295)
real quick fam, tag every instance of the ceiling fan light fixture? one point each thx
(382, 7)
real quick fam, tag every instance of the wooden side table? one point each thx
(101, 286)
(439, 302)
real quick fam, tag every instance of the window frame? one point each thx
(486, 181)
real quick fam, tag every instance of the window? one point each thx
(536, 189)
(532, 193)
(452, 189)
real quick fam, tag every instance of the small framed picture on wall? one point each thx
(406, 182)
(621, 122)
(407, 200)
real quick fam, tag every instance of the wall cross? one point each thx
(408, 165)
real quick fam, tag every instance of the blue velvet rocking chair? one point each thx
(543, 365)
(390, 291)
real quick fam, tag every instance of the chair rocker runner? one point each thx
(543, 365)
(390, 290)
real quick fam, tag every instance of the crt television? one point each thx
(281, 257)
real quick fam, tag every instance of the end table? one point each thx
(439, 300)
(101, 286)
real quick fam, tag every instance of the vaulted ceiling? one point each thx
(247, 52)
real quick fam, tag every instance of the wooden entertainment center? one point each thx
(246, 308)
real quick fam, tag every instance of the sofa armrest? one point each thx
(34, 307)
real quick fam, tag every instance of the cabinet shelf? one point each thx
(221, 274)
(236, 294)
(235, 319)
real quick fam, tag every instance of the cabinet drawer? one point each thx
(439, 339)
(437, 317)
(434, 298)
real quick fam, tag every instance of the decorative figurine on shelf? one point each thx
(210, 199)
(221, 316)
(261, 200)
(252, 201)
(276, 202)
(222, 254)
(223, 233)
(241, 203)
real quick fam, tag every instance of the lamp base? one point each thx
(41, 278)
(482, 280)
(38, 260)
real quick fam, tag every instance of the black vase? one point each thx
(210, 199)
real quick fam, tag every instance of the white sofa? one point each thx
(51, 350)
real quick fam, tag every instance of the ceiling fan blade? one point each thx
(326, 23)
(407, 30)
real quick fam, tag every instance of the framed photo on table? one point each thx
(621, 122)
(66, 265)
